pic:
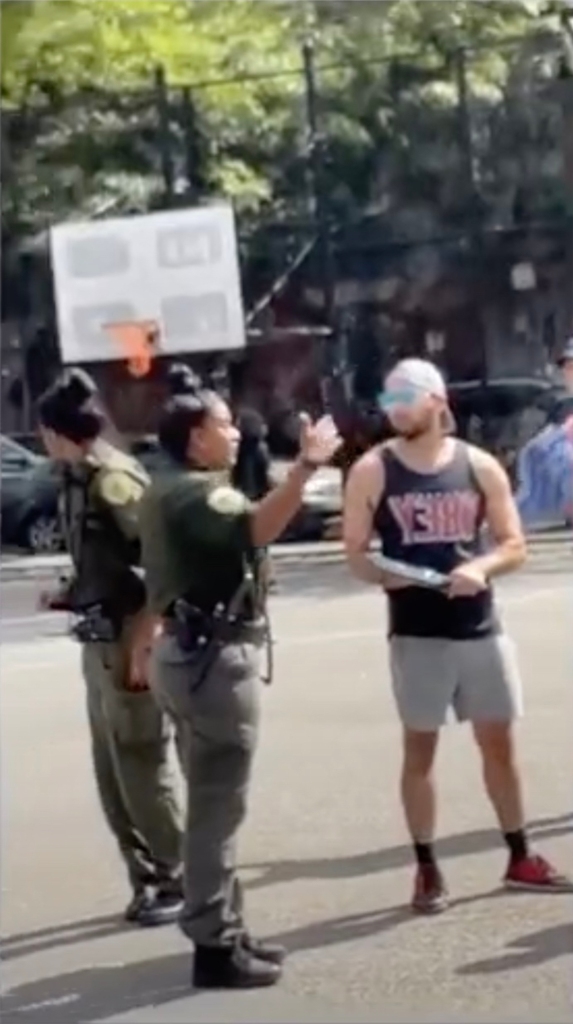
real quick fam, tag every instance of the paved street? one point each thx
(324, 853)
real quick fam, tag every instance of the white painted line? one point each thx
(64, 646)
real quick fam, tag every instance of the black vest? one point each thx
(434, 520)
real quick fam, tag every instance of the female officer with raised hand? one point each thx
(200, 544)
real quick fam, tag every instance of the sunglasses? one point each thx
(399, 397)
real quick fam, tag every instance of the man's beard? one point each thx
(414, 433)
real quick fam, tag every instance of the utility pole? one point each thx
(470, 189)
(317, 200)
(194, 154)
(164, 135)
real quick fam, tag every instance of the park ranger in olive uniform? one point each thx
(200, 547)
(130, 735)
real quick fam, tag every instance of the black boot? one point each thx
(270, 952)
(232, 967)
(164, 909)
(140, 903)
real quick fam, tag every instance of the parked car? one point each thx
(29, 497)
(31, 441)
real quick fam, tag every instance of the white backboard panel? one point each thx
(178, 268)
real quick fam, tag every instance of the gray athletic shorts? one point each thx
(478, 679)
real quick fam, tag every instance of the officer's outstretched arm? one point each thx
(224, 519)
(274, 512)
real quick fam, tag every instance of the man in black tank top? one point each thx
(427, 496)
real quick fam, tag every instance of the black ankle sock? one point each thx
(517, 844)
(425, 854)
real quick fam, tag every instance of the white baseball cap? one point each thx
(415, 378)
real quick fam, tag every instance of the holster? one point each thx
(195, 630)
(192, 628)
(96, 624)
(199, 632)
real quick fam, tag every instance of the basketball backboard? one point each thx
(178, 269)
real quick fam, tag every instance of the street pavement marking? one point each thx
(63, 645)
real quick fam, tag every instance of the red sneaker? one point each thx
(430, 892)
(535, 874)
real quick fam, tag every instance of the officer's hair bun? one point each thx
(70, 407)
(78, 387)
(182, 380)
(186, 409)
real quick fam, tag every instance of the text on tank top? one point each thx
(434, 520)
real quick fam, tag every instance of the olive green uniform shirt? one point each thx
(100, 513)
(196, 539)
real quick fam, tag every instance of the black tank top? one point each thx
(434, 520)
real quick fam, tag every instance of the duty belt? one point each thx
(195, 634)
(206, 635)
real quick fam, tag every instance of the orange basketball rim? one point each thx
(138, 340)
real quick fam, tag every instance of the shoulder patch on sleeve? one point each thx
(118, 488)
(227, 501)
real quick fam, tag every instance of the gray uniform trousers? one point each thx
(130, 740)
(218, 728)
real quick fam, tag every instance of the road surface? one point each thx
(324, 854)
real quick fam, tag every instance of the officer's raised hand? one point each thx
(319, 441)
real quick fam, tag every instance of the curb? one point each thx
(288, 555)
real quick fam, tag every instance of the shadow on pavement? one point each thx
(26, 943)
(274, 873)
(98, 992)
(319, 934)
(529, 951)
(464, 844)
(102, 992)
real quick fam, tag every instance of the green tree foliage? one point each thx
(80, 126)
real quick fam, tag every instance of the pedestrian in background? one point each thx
(252, 472)
(130, 736)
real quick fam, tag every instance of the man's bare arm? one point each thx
(364, 479)
(502, 517)
(363, 492)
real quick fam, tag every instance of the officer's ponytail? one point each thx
(186, 410)
(70, 407)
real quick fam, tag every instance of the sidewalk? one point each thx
(16, 567)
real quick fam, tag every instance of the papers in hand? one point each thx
(419, 577)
